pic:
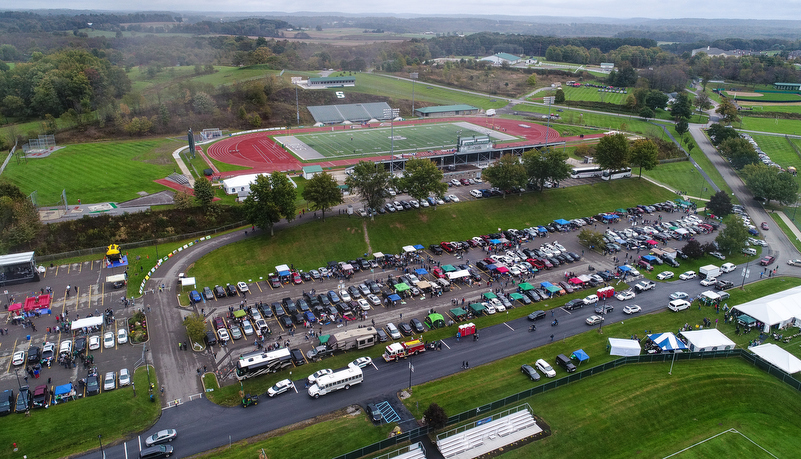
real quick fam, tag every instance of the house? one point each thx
(714, 52)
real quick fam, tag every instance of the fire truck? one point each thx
(397, 351)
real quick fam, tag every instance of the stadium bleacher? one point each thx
(355, 113)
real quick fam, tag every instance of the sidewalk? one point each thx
(790, 223)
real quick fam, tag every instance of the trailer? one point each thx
(397, 351)
(709, 272)
(356, 338)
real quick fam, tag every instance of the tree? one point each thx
(719, 133)
(682, 108)
(646, 113)
(182, 200)
(422, 178)
(435, 416)
(656, 99)
(591, 239)
(549, 165)
(770, 183)
(693, 249)
(271, 198)
(728, 112)
(371, 181)
(506, 173)
(733, 237)
(284, 195)
(702, 101)
(720, 204)
(612, 152)
(682, 126)
(322, 192)
(559, 98)
(532, 80)
(195, 327)
(204, 192)
(644, 154)
(739, 152)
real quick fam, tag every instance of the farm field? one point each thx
(170, 76)
(373, 141)
(95, 172)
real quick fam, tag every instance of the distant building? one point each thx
(787, 86)
(331, 82)
(714, 52)
(311, 171)
(239, 184)
(499, 59)
(446, 110)
(607, 65)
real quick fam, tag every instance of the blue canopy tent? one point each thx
(580, 355)
(283, 273)
(495, 241)
(420, 272)
(561, 221)
(624, 268)
(419, 247)
(394, 297)
(610, 217)
(542, 229)
(668, 342)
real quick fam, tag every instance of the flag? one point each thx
(411, 367)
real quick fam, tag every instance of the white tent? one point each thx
(87, 322)
(710, 339)
(777, 356)
(779, 309)
(624, 347)
(459, 274)
(187, 282)
(378, 254)
(409, 248)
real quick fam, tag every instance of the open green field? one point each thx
(378, 140)
(402, 89)
(170, 76)
(95, 172)
(765, 96)
(779, 126)
(593, 95)
(779, 149)
(599, 120)
(73, 427)
(730, 443)
(784, 108)
(345, 237)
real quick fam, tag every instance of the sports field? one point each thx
(594, 95)
(377, 140)
(764, 96)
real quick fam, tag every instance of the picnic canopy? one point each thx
(459, 274)
(477, 308)
(422, 285)
(490, 295)
(15, 306)
(610, 217)
(624, 268)
(283, 270)
(710, 339)
(435, 320)
(651, 242)
(621, 211)
(550, 287)
(402, 287)
(394, 297)
(187, 281)
(580, 355)
(458, 313)
(576, 281)
(561, 221)
(775, 355)
(345, 266)
(378, 254)
(516, 296)
(408, 248)
(624, 347)
(419, 247)
(87, 322)
(420, 272)
(448, 268)
(525, 286)
(324, 339)
(240, 313)
(542, 229)
(502, 269)
(667, 341)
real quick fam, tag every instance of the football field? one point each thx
(378, 140)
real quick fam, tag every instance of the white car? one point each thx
(94, 342)
(361, 362)
(490, 308)
(280, 387)
(125, 378)
(664, 275)
(122, 336)
(247, 327)
(496, 303)
(223, 335)
(594, 320)
(546, 369)
(623, 296)
(514, 270)
(478, 180)
(709, 281)
(243, 287)
(110, 381)
(455, 182)
(313, 377)
(363, 304)
(374, 300)
(108, 340)
(18, 358)
(688, 275)
(453, 197)
(345, 296)
(475, 193)
(631, 309)
(678, 295)
(592, 299)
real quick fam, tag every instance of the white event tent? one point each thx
(624, 347)
(779, 309)
(710, 339)
(777, 356)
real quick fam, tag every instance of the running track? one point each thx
(262, 154)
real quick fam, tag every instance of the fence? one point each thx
(484, 410)
(135, 245)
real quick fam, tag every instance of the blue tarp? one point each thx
(394, 297)
(495, 241)
(649, 257)
(283, 273)
(491, 267)
(580, 355)
(63, 389)
(420, 271)
(419, 247)
(561, 221)
(546, 284)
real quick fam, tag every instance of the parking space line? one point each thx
(509, 326)
(444, 343)
(13, 350)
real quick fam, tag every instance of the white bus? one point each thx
(586, 172)
(342, 379)
(620, 173)
(259, 363)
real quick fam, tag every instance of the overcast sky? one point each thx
(711, 9)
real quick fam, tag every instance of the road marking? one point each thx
(509, 326)
(444, 344)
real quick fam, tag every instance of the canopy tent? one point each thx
(651, 242)
(458, 313)
(187, 282)
(492, 267)
(422, 285)
(525, 286)
(624, 268)
(435, 320)
(459, 274)
(775, 355)
(502, 269)
(621, 211)
(394, 297)
(709, 297)
(477, 308)
(779, 309)
(624, 347)
(584, 278)
(667, 341)
(542, 229)
(87, 322)
(610, 217)
(420, 272)
(516, 296)
(561, 221)
(490, 295)
(576, 281)
(550, 287)
(419, 247)
(280, 268)
(324, 339)
(378, 254)
(495, 241)
(345, 267)
(448, 268)
(402, 287)
(409, 248)
(580, 355)
(239, 313)
(710, 339)
(15, 306)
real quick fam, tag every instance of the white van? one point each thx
(749, 251)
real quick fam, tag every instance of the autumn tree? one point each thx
(728, 112)
(644, 154)
(322, 192)
(422, 178)
(612, 152)
(204, 192)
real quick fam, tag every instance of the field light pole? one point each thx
(392, 113)
(413, 76)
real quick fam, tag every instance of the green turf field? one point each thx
(766, 96)
(779, 150)
(593, 95)
(779, 126)
(95, 172)
(377, 140)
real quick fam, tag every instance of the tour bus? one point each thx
(259, 363)
(586, 172)
(620, 173)
(342, 379)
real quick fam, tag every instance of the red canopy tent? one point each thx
(502, 269)
(15, 307)
(575, 281)
(652, 242)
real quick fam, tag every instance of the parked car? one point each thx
(7, 402)
(393, 331)
(545, 368)
(594, 320)
(417, 326)
(529, 371)
(23, 399)
(678, 305)
(94, 342)
(565, 363)
(243, 287)
(361, 362)
(110, 381)
(687, 275)
(41, 396)
(280, 387)
(194, 296)
(125, 377)
(678, 295)
(665, 275)
(162, 436)
(631, 309)
(18, 358)
(219, 292)
(207, 294)
(405, 329)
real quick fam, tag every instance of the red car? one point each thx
(296, 279)
(438, 273)
(767, 260)
(765, 226)
(446, 246)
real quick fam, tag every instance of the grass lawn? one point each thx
(779, 149)
(170, 76)
(598, 120)
(779, 126)
(593, 95)
(95, 172)
(786, 230)
(784, 108)
(680, 176)
(345, 239)
(72, 427)
(766, 96)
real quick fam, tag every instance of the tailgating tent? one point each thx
(239, 313)
(422, 285)
(576, 281)
(495, 241)
(709, 297)
(283, 270)
(490, 295)
(502, 269)
(435, 320)
(477, 308)
(459, 274)
(345, 266)
(624, 268)
(64, 393)
(419, 247)
(624, 347)
(775, 355)
(580, 355)
(448, 268)
(651, 242)
(621, 211)
(710, 339)
(420, 272)
(550, 287)
(408, 248)
(458, 313)
(561, 222)
(542, 229)
(610, 217)
(525, 286)
(402, 287)
(516, 296)
(394, 297)
(187, 282)
(324, 339)
(378, 254)
(667, 342)
(87, 322)
(15, 306)
(779, 309)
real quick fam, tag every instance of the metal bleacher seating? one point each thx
(475, 437)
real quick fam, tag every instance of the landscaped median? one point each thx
(70, 428)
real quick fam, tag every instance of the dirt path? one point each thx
(366, 237)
